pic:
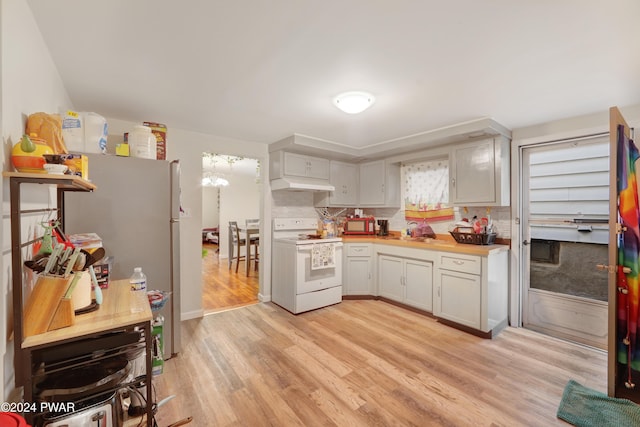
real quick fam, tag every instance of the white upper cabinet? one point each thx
(479, 173)
(344, 177)
(291, 164)
(379, 184)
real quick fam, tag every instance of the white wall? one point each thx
(210, 207)
(29, 83)
(188, 146)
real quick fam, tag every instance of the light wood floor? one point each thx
(223, 289)
(365, 363)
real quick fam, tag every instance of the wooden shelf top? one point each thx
(71, 182)
(120, 308)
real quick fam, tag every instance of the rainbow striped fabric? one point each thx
(628, 253)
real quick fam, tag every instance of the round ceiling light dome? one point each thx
(353, 102)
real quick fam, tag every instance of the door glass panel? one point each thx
(568, 268)
(568, 208)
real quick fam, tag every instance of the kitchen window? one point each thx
(425, 190)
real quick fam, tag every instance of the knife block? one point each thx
(46, 307)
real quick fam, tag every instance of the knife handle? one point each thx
(96, 286)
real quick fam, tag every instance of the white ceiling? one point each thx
(263, 70)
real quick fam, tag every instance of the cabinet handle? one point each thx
(453, 182)
(458, 262)
(438, 291)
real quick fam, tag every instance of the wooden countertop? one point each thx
(120, 308)
(441, 243)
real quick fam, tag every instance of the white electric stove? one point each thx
(306, 273)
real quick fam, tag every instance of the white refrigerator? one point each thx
(135, 210)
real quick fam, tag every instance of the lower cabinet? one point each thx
(458, 297)
(357, 271)
(405, 280)
(472, 290)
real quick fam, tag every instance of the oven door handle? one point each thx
(307, 248)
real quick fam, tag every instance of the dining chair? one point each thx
(254, 241)
(235, 244)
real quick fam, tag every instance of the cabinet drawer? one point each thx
(358, 250)
(467, 264)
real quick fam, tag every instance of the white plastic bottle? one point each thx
(138, 280)
(95, 133)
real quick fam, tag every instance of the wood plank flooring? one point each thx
(223, 289)
(366, 363)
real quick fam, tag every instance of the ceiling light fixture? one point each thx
(353, 102)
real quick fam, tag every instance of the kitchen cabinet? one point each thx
(405, 280)
(379, 184)
(458, 297)
(472, 290)
(284, 163)
(344, 177)
(357, 270)
(479, 173)
(120, 314)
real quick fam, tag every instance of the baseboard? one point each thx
(467, 329)
(356, 297)
(195, 314)
(264, 298)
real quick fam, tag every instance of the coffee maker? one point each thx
(383, 227)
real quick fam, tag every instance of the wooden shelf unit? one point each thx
(121, 310)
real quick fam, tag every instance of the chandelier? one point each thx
(212, 176)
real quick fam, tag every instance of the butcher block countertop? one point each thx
(441, 243)
(120, 308)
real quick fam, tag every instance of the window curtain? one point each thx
(426, 191)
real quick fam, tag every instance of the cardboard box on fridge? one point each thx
(160, 131)
(78, 164)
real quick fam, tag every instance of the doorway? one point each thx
(565, 191)
(230, 192)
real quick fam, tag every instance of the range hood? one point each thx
(293, 183)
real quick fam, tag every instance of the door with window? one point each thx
(565, 190)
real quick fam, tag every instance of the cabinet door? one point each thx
(317, 168)
(344, 176)
(305, 166)
(473, 173)
(372, 180)
(418, 281)
(358, 276)
(390, 277)
(295, 164)
(458, 297)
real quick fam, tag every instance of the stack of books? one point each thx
(86, 241)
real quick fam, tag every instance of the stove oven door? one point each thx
(311, 280)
